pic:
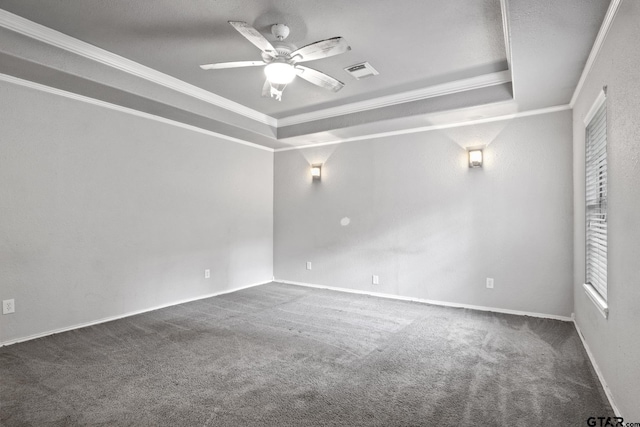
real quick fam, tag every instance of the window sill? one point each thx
(597, 300)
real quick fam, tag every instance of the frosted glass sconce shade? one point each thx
(475, 158)
(316, 172)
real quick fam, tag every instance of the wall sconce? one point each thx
(316, 172)
(475, 158)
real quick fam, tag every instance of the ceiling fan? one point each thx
(281, 62)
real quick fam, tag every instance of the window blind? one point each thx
(596, 201)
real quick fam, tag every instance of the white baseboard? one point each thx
(605, 387)
(121, 316)
(432, 302)
(353, 291)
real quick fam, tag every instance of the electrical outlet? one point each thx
(489, 283)
(207, 273)
(375, 279)
(308, 265)
(8, 306)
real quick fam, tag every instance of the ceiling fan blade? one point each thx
(236, 64)
(254, 36)
(318, 78)
(321, 49)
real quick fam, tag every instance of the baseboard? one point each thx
(605, 387)
(133, 313)
(432, 302)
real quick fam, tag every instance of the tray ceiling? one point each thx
(520, 54)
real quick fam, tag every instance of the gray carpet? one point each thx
(281, 355)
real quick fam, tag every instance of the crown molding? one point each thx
(601, 99)
(55, 38)
(433, 127)
(97, 102)
(60, 40)
(504, 9)
(614, 6)
(448, 88)
(120, 108)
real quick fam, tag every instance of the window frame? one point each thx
(592, 292)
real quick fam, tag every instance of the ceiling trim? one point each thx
(55, 38)
(71, 44)
(120, 108)
(448, 88)
(434, 127)
(614, 6)
(504, 9)
(601, 99)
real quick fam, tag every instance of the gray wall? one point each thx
(615, 342)
(429, 226)
(104, 213)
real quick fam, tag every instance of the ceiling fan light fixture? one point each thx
(280, 73)
(281, 61)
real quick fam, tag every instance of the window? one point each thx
(596, 204)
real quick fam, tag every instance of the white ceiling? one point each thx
(416, 45)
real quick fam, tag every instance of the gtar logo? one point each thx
(605, 422)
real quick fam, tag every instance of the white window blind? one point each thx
(596, 201)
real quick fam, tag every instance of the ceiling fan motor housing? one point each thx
(283, 51)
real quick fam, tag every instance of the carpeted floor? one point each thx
(281, 355)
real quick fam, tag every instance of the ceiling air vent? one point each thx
(361, 71)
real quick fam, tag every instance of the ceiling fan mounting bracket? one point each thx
(280, 31)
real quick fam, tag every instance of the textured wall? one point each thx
(429, 226)
(615, 342)
(104, 213)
